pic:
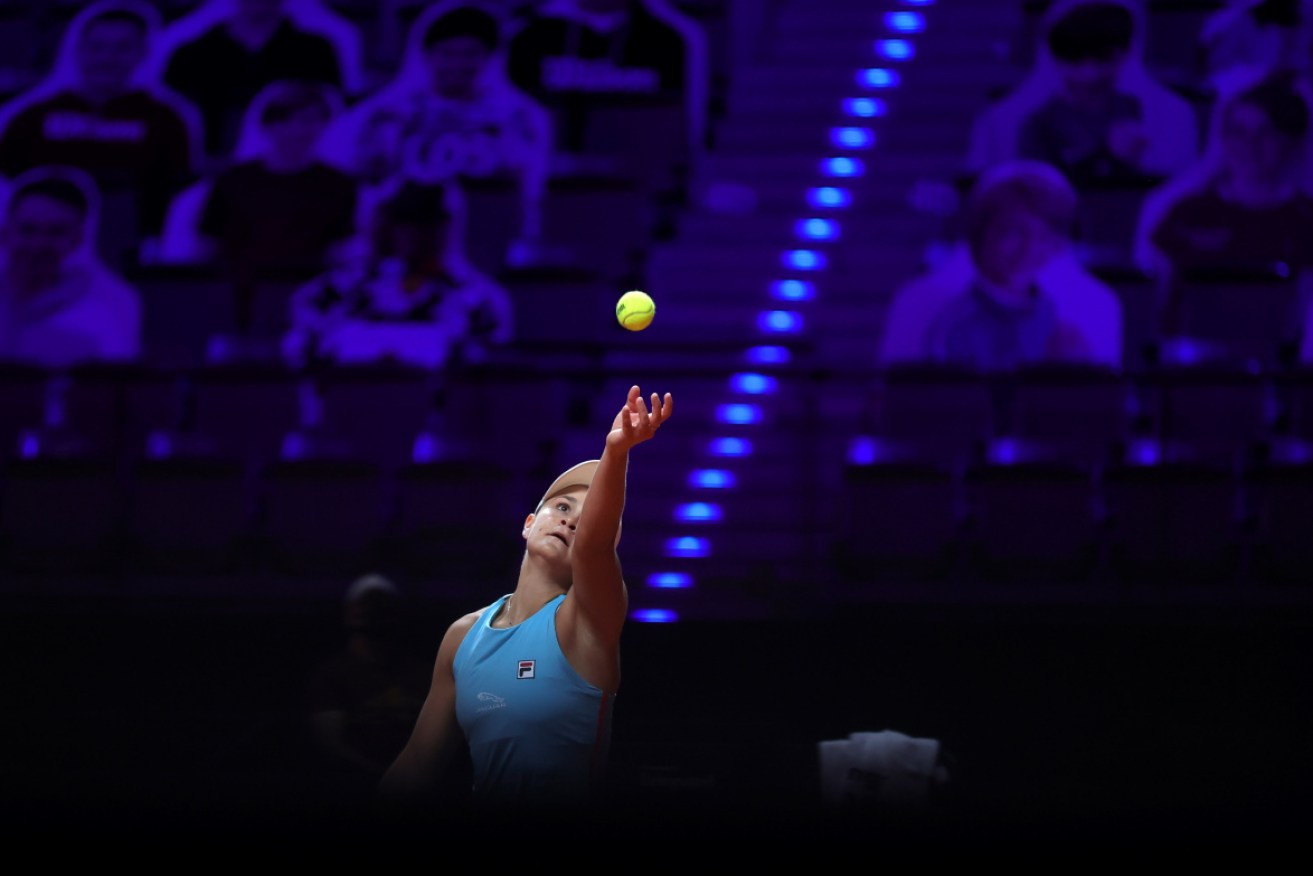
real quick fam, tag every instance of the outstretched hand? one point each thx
(634, 424)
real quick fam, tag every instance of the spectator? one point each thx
(100, 111)
(1089, 106)
(451, 115)
(222, 55)
(363, 700)
(1247, 38)
(1012, 292)
(59, 304)
(411, 296)
(569, 54)
(279, 211)
(1247, 201)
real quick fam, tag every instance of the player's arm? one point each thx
(600, 600)
(436, 736)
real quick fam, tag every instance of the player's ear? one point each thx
(528, 522)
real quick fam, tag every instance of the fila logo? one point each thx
(524, 669)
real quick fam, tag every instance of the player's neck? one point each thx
(534, 589)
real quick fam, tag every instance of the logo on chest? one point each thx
(524, 669)
(488, 701)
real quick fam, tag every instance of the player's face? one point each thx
(1252, 147)
(40, 233)
(455, 64)
(108, 52)
(552, 528)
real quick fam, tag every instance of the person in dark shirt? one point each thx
(579, 58)
(362, 700)
(1090, 103)
(596, 46)
(1090, 129)
(98, 112)
(1245, 209)
(1249, 208)
(407, 294)
(223, 68)
(281, 211)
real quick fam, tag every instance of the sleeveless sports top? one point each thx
(537, 731)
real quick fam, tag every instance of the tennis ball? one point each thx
(635, 310)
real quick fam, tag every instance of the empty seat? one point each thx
(1279, 498)
(115, 405)
(1251, 312)
(182, 308)
(1293, 390)
(247, 408)
(377, 409)
(900, 521)
(1080, 411)
(1219, 410)
(508, 413)
(561, 307)
(945, 410)
(320, 516)
(22, 402)
(456, 523)
(647, 138)
(1173, 524)
(1032, 519)
(189, 515)
(61, 515)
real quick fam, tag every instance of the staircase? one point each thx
(714, 280)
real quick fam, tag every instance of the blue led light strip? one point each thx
(850, 141)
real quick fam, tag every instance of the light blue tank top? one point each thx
(537, 731)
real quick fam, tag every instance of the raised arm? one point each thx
(598, 596)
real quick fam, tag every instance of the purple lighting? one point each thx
(670, 580)
(654, 616)
(877, 77)
(829, 197)
(687, 546)
(779, 322)
(894, 50)
(852, 138)
(769, 355)
(842, 167)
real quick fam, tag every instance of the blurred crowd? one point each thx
(1106, 158)
(329, 170)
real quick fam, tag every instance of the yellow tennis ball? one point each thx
(635, 310)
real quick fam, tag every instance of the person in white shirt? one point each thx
(59, 304)
(451, 115)
(1012, 290)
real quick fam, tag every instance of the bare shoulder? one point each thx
(456, 634)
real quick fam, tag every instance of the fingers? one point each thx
(635, 415)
